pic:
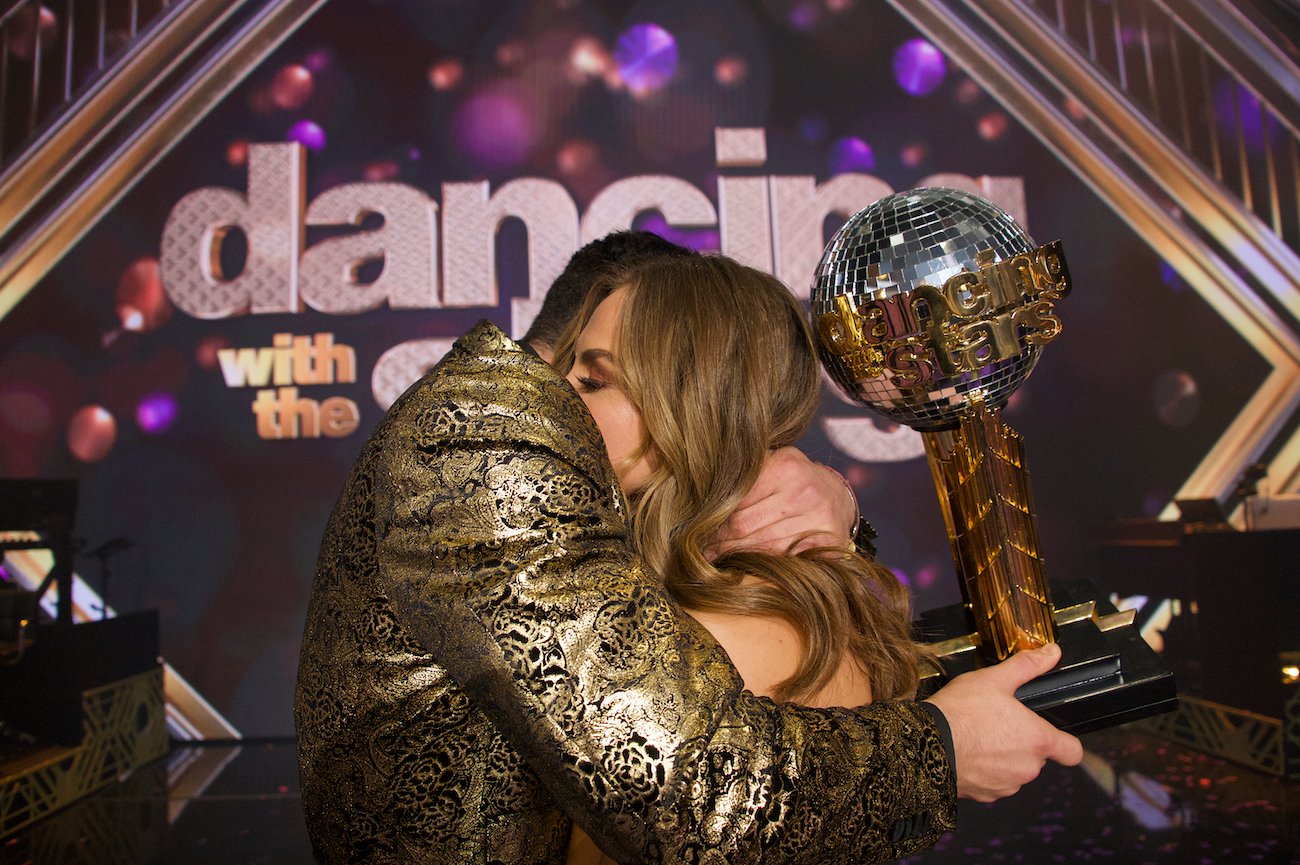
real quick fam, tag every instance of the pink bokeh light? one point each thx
(730, 71)
(29, 27)
(446, 74)
(92, 432)
(26, 408)
(993, 126)
(292, 87)
(142, 303)
(237, 153)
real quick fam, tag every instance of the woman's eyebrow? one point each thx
(592, 355)
(603, 363)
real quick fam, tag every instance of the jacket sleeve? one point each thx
(503, 549)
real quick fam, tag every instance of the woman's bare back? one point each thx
(766, 651)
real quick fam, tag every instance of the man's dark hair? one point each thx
(565, 296)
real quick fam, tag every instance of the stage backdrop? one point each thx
(211, 357)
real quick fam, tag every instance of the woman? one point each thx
(694, 368)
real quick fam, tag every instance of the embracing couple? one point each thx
(581, 600)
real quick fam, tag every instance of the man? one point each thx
(485, 661)
(795, 500)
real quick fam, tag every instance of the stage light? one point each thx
(647, 58)
(446, 74)
(1176, 398)
(308, 133)
(912, 155)
(496, 128)
(91, 433)
(993, 126)
(30, 25)
(852, 154)
(142, 303)
(156, 412)
(292, 87)
(381, 170)
(919, 67)
(588, 58)
(730, 71)
(26, 408)
(237, 152)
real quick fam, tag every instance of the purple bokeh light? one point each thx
(919, 67)
(496, 129)
(1171, 277)
(1234, 103)
(318, 61)
(812, 128)
(700, 240)
(308, 133)
(804, 16)
(156, 412)
(926, 576)
(646, 55)
(851, 154)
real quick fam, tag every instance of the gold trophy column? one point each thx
(983, 485)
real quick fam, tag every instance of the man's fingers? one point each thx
(1066, 750)
(998, 743)
(754, 519)
(792, 496)
(775, 539)
(821, 539)
(740, 524)
(1024, 666)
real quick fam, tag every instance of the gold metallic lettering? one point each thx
(973, 320)
(842, 334)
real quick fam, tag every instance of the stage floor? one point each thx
(1136, 799)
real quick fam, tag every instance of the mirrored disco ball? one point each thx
(927, 296)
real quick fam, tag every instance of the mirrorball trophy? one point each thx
(930, 308)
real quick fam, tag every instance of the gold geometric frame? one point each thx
(123, 728)
(1257, 741)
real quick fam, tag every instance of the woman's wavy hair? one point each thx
(719, 358)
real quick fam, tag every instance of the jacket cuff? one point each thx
(945, 733)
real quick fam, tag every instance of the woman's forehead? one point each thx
(602, 329)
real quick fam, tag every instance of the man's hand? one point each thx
(999, 744)
(793, 496)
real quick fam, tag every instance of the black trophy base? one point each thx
(1105, 677)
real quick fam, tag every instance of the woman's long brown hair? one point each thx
(719, 358)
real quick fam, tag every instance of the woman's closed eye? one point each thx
(589, 385)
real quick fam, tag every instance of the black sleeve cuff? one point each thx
(945, 733)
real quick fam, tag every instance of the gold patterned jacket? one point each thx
(485, 660)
